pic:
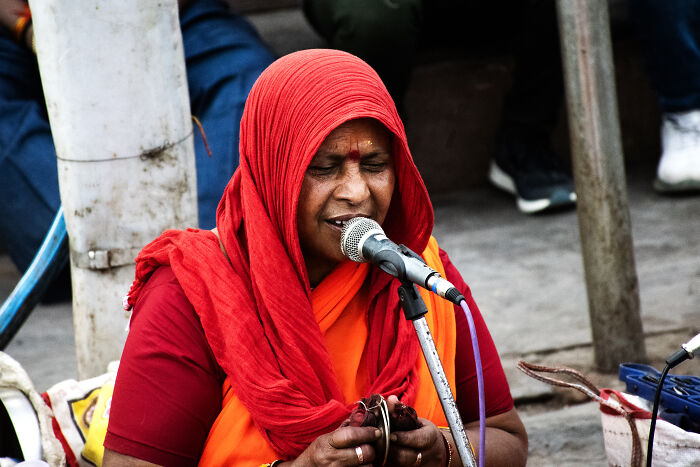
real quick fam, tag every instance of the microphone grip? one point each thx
(391, 262)
(444, 288)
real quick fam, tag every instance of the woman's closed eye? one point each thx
(322, 170)
(375, 166)
(334, 164)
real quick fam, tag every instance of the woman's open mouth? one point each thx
(340, 221)
(339, 224)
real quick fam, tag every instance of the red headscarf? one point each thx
(256, 311)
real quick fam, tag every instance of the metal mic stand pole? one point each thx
(414, 309)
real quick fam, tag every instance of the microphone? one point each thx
(687, 351)
(364, 241)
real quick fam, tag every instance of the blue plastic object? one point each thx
(680, 396)
(47, 263)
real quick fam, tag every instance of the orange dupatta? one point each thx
(340, 306)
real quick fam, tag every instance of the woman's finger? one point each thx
(391, 402)
(364, 455)
(351, 436)
(420, 439)
(405, 457)
(415, 448)
(348, 446)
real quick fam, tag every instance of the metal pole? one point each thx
(604, 221)
(414, 309)
(443, 391)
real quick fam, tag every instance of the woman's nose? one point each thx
(352, 186)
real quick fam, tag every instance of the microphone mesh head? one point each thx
(353, 232)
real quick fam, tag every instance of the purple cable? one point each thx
(479, 383)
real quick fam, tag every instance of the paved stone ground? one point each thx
(526, 274)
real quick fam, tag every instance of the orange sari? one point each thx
(340, 307)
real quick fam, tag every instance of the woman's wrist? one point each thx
(448, 447)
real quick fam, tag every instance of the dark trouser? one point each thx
(388, 33)
(224, 57)
(383, 33)
(28, 178)
(669, 31)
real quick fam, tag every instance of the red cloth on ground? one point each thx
(256, 312)
(178, 341)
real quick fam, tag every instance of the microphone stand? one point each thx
(414, 309)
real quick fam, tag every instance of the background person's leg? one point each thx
(669, 32)
(532, 105)
(388, 34)
(384, 33)
(224, 56)
(524, 162)
(28, 175)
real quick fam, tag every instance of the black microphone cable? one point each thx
(686, 352)
(655, 411)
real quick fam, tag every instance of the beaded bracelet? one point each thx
(448, 448)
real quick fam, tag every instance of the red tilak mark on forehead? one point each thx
(354, 155)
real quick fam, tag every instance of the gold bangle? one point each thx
(448, 448)
(471, 446)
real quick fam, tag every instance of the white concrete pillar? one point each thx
(115, 83)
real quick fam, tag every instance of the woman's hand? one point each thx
(346, 446)
(421, 447)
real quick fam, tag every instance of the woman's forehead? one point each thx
(365, 131)
(361, 123)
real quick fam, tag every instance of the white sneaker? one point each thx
(679, 168)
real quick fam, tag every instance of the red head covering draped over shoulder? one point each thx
(256, 311)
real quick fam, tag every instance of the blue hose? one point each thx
(47, 263)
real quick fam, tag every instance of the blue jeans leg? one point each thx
(224, 56)
(28, 177)
(669, 32)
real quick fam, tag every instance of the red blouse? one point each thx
(168, 359)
